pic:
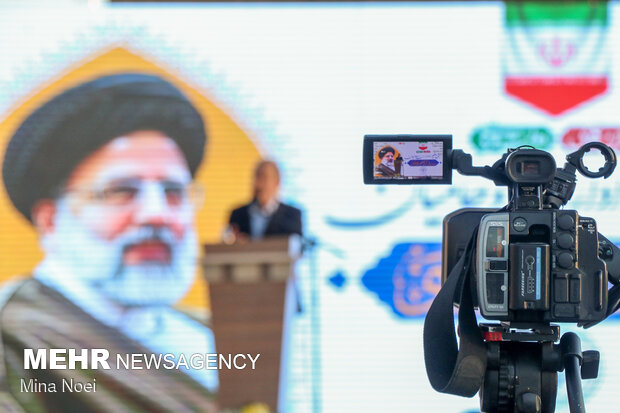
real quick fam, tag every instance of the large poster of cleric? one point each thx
(129, 132)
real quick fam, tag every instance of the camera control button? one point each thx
(575, 289)
(519, 224)
(498, 265)
(566, 240)
(565, 260)
(495, 288)
(606, 252)
(564, 310)
(566, 222)
(560, 287)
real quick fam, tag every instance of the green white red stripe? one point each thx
(556, 53)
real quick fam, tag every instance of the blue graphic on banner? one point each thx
(431, 200)
(374, 221)
(408, 279)
(338, 280)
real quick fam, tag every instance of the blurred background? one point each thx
(301, 83)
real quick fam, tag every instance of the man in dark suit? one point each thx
(265, 215)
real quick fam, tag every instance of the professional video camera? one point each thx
(526, 265)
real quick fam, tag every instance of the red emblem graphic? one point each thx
(556, 52)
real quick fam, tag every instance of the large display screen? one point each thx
(110, 192)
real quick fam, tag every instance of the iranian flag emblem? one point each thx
(556, 53)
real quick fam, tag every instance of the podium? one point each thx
(248, 285)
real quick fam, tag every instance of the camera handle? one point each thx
(610, 253)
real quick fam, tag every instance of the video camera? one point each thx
(526, 265)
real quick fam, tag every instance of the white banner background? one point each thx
(307, 82)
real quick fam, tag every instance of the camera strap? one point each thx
(451, 369)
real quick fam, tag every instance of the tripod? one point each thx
(522, 367)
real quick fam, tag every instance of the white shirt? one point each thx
(259, 217)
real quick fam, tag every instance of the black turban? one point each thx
(61, 133)
(385, 150)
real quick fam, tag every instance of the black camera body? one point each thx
(540, 266)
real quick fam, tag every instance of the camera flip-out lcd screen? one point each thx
(407, 159)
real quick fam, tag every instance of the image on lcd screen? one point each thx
(408, 160)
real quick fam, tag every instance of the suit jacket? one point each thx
(286, 220)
